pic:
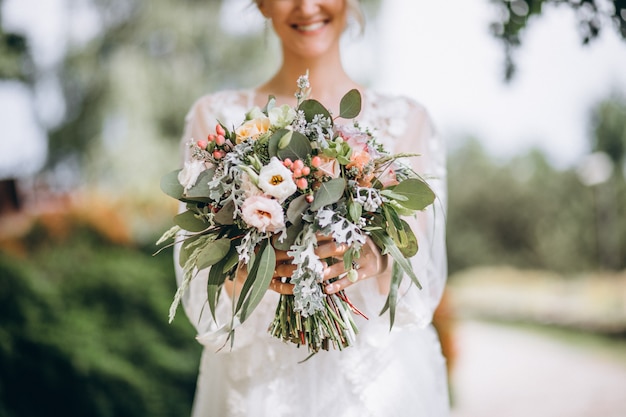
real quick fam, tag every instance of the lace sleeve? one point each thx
(430, 263)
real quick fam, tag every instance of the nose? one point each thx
(308, 6)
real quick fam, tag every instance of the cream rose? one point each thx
(263, 213)
(252, 129)
(188, 176)
(276, 180)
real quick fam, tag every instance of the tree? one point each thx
(608, 120)
(594, 16)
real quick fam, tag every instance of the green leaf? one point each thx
(292, 233)
(296, 208)
(299, 147)
(188, 220)
(232, 259)
(272, 144)
(418, 194)
(260, 276)
(354, 211)
(329, 192)
(383, 241)
(392, 297)
(215, 281)
(225, 215)
(213, 252)
(201, 187)
(350, 105)
(171, 186)
(410, 246)
(185, 250)
(311, 108)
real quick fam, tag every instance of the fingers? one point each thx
(284, 270)
(330, 249)
(281, 287)
(345, 281)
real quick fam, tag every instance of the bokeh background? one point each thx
(529, 96)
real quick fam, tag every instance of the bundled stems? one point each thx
(333, 325)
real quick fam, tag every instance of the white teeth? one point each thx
(311, 27)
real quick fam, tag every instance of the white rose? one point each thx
(263, 213)
(281, 116)
(276, 180)
(188, 176)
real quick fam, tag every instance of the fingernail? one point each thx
(331, 288)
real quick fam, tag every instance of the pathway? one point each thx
(510, 372)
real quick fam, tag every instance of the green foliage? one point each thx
(84, 331)
(523, 213)
(350, 105)
(608, 120)
(593, 15)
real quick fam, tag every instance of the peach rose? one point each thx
(252, 129)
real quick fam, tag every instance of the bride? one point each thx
(397, 373)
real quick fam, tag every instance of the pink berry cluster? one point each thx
(216, 144)
(300, 173)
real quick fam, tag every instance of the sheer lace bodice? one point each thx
(398, 373)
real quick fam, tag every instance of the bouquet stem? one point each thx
(333, 325)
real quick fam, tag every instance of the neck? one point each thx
(329, 81)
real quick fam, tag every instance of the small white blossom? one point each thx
(276, 180)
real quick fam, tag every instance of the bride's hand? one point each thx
(370, 264)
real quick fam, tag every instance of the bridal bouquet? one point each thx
(280, 180)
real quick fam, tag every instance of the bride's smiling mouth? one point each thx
(310, 27)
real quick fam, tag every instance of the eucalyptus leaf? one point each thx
(272, 144)
(213, 252)
(354, 210)
(171, 186)
(185, 249)
(299, 147)
(387, 244)
(418, 194)
(225, 215)
(261, 280)
(410, 246)
(292, 233)
(296, 208)
(214, 283)
(350, 105)
(201, 187)
(188, 220)
(392, 296)
(329, 192)
(311, 108)
(232, 259)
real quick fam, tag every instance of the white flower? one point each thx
(275, 180)
(281, 116)
(189, 174)
(263, 213)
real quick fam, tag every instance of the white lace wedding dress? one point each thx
(386, 374)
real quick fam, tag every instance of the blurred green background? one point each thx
(84, 302)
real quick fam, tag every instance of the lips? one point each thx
(310, 27)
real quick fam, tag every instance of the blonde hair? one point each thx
(354, 9)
